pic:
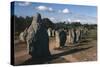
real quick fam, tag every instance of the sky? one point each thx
(57, 12)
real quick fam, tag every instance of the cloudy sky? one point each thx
(58, 12)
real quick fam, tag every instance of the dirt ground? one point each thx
(85, 50)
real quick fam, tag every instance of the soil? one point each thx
(85, 50)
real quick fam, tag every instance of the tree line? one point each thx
(20, 23)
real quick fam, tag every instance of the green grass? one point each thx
(92, 34)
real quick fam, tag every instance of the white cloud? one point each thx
(24, 4)
(50, 9)
(77, 20)
(69, 20)
(52, 18)
(64, 11)
(44, 8)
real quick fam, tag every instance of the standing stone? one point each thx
(72, 36)
(22, 36)
(39, 41)
(68, 40)
(62, 36)
(49, 32)
(77, 35)
(53, 33)
(31, 34)
(57, 45)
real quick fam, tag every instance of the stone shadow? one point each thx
(34, 61)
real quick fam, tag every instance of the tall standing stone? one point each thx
(62, 36)
(38, 40)
(57, 45)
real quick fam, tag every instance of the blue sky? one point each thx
(58, 12)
